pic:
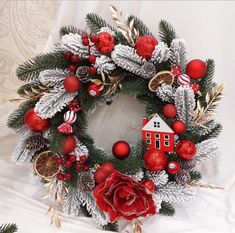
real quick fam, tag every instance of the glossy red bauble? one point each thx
(145, 46)
(104, 42)
(103, 171)
(83, 158)
(178, 126)
(169, 110)
(94, 90)
(196, 69)
(69, 145)
(195, 87)
(71, 84)
(149, 185)
(121, 149)
(173, 167)
(35, 122)
(186, 149)
(155, 160)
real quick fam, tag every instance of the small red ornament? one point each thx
(92, 70)
(59, 161)
(176, 70)
(72, 68)
(178, 126)
(69, 145)
(173, 167)
(86, 168)
(85, 42)
(65, 128)
(145, 46)
(71, 84)
(60, 176)
(93, 38)
(79, 166)
(74, 59)
(68, 176)
(149, 185)
(195, 87)
(196, 69)
(103, 172)
(68, 164)
(121, 149)
(74, 106)
(104, 42)
(169, 110)
(155, 160)
(67, 55)
(83, 158)
(70, 117)
(84, 36)
(35, 122)
(186, 149)
(72, 158)
(92, 59)
(94, 90)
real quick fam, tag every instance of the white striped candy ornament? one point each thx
(183, 80)
(70, 117)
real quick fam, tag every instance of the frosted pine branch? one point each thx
(206, 150)
(71, 202)
(178, 53)
(161, 53)
(80, 149)
(73, 43)
(138, 176)
(175, 193)
(157, 201)
(206, 127)
(166, 93)
(159, 178)
(105, 64)
(185, 104)
(106, 29)
(53, 101)
(51, 78)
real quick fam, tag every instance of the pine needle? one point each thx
(8, 228)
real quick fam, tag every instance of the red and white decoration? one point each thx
(183, 79)
(157, 134)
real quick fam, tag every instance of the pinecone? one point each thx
(183, 177)
(148, 70)
(188, 165)
(35, 142)
(82, 74)
(86, 181)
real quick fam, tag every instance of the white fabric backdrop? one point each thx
(209, 30)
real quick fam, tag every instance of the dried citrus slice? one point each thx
(161, 77)
(45, 165)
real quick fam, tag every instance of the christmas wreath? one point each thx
(86, 69)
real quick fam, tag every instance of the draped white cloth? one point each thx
(209, 30)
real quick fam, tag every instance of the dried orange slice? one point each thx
(45, 165)
(161, 77)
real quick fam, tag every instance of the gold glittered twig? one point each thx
(201, 185)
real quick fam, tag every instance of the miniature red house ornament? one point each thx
(157, 134)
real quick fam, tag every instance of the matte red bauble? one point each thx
(169, 110)
(145, 46)
(103, 171)
(71, 84)
(121, 149)
(178, 126)
(186, 149)
(104, 42)
(196, 69)
(149, 185)
(69, 144)
(155, 160)
(173, 167)
(94, 90)
(35, 122)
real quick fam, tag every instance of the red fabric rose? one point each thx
(121, 196)
(104, 42)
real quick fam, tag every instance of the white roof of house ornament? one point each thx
(163, 126)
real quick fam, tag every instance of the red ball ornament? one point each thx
(74, 59)
(68, 176)
(94, 90)
(71, 84)
(121, 149)
(67, 55)
(103, 171)
(186, 149)
(195, 87)
(173, 167)
(155, 160)
(60, 176)
(178, 126)
(79, 166)
(169, 110)
(149, 185)
(104, 42)
(68, 164)
(72, 158)
(72, 68)
(92, 59)
(35, 122)
(83, 158)
(69, 145)
(92, 70)
(145, 46)
(196, 69)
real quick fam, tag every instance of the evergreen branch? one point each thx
(166, 32)
(71, 29)
(30, 70)
(111, 227)
(166, 209)
(8, 228)
(195, 175)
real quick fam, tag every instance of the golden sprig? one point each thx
(125, 26)
(208, 185)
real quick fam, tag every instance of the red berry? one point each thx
(74, 59)
(60, 176)
(86, 168)
(78, 166)
(72, 68)
(83, 158)
(173, 167)
(68, 145)
(84, 36)
(196, 69)
(72, 158)
(169, 110)
(68, 176)
(92, 59)
(68, 164)
(85, 42)
(155, 160)
(149, 185)
(67, 55)
(59, 161)
(93, 38)
(71, 84)
(94, 90)
(195, 87)
(178, 126)
(92, 70)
